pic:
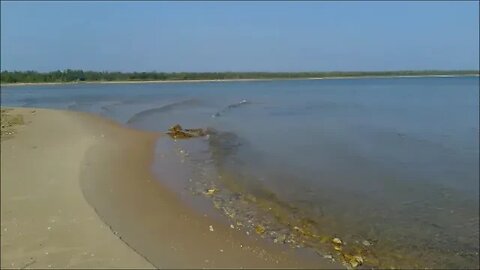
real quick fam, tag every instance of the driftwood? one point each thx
(177, 132)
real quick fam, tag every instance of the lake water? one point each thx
(389, 166)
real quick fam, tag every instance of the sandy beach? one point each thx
(45, 220)
(77, 192)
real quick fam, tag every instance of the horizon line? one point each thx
(330, 71)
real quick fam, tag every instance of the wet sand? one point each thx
(78, 192)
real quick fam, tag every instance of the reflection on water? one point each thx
(389, 166)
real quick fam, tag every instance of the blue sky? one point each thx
(239, 36)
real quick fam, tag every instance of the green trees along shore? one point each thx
(93, 76)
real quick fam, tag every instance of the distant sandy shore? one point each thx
(237, 80)
(77, 192)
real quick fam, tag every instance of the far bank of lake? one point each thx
(241, 80)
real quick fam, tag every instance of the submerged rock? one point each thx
(196, 132)
(366, 243)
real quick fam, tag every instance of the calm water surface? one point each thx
(390, 166)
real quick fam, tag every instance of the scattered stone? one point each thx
(231, 226)
(210, 228)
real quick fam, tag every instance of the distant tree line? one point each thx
(93, 76)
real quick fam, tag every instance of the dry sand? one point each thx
(77, 192)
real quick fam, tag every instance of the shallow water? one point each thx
(390, 166)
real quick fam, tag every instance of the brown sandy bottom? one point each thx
(124, 218)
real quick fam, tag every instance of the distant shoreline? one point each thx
(240, 80)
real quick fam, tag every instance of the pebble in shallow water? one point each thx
(210, 191)
(354, 261)
(259, 229)
(337, 241)
(366, 243)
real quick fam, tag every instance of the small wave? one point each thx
(162, 109)
(230, 107)
(111, 106)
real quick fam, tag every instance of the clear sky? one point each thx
(239, 36)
